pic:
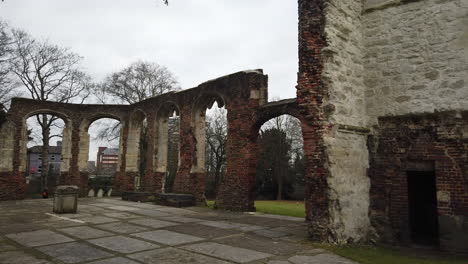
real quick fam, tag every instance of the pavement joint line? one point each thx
(66, 218)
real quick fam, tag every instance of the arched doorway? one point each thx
(280, 169)
(99, 154)
(45, 151)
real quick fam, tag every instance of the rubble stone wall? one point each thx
(416, 56)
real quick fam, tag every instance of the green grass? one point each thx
(382, 255)
(288, 208)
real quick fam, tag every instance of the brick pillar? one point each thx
(188, 180)
(311, 92)
(235, 191)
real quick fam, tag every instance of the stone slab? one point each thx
(19, 257)
(74, 252)
(173, 256)
(121, 215)
(5, 246)
(123, 208)
(85, 232)
(230, 253)
(98, 219)
(118, 260)
(168, 237)
(123, 228)
(181, 219)
(105, 205)
(138, 196)
(39, 238)
(219, 224)
(150, 212)
(320, 259)
(266, 245)
(152, 223)
(176, 199)
(203, 231)
(123, 244)
(270, 233)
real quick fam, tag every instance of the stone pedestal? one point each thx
(176, 199)
(66, 199)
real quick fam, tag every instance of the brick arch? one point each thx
(276, 109)
(47, 111)
(88, 121)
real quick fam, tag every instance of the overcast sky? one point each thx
(197, 40)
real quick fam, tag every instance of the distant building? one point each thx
(91, 167)
(34, 165)
(107, 160)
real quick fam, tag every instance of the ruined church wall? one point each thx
(346, 149)
(416, 56)
(343, 70)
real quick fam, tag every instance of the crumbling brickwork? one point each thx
(440, 139)
(374, 80)
(242, 94)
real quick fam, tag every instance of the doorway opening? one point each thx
(423, 219)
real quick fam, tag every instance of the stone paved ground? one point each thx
(111, 231)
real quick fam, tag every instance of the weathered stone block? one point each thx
(176, 199)
(66, 199)
(138, 196)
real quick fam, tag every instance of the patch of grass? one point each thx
(210, 203)
(288, 208)
(383, 255)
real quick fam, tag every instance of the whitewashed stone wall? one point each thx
(349, 186)
(343, 69)
(346, 150)
(416, 56)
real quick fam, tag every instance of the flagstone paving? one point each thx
(112, 231)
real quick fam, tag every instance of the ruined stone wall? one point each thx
(345, 142)
(343, 72)
(440, 139)
(416, 56)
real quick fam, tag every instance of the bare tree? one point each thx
(139, 81)
(7, 87)
(216, 138)
(48, 73)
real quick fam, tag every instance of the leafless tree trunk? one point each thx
(216, 137)
(48, 73)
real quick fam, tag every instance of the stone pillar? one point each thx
(161, 145)
(65, 154)
(83, 159)
(12, 182)
(153, 176)
(189, 178)
(121, 183)
(128, 178)
(73, 177)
